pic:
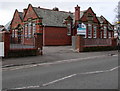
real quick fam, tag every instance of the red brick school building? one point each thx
(58, 27)
(36, 27)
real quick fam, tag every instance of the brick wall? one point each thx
(16, 20)
(30, 13)
(29, 41)
(56, 36)
(82, 43)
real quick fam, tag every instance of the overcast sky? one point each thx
(100, 7)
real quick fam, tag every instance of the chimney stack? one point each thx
(77, 13)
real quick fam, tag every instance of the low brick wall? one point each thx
(97, 42)
(19, 49)
(87, 44)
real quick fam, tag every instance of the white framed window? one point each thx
(26, 31)
(13, 33)
(105, 32)
(100, 34)
(95, 32)
(16, 33)
(34, 28)
(69, 29)
(29, 29)
(89, 30)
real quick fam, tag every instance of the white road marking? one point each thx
(66, 77)
(59, 80)
(50, 63)
(115, 55)
(28, 87)
(95, 72)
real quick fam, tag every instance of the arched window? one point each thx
(95, 32)
(89, 30)
(29, 29)
(13, 33)
(69, 29)
(26, 31)
(16, 33)
(105, 32)
(34, 28)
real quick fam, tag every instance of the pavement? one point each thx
(51, 54)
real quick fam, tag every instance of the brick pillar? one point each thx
(98, 31)
(114, 42)
(79, 43)
(39, 43)
(6, 40)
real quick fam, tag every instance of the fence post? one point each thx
(39, 43)
(6, 40)
(80, 43)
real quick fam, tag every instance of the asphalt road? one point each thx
(97, 72)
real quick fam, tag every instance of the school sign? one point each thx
(81, 29)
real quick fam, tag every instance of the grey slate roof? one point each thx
(82, 13)
(51, 17)
(21, 15)
(7, 26)
(1, 27)
(100, 19)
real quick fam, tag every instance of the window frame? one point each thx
(29, 30)
(94, 31)
(89, 30)
(105, 32)
(33, 28)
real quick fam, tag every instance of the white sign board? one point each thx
(1, 49)
(81, 29)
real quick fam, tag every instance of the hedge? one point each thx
(22, 53)
(99, 48)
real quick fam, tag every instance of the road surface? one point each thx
(95, 72)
